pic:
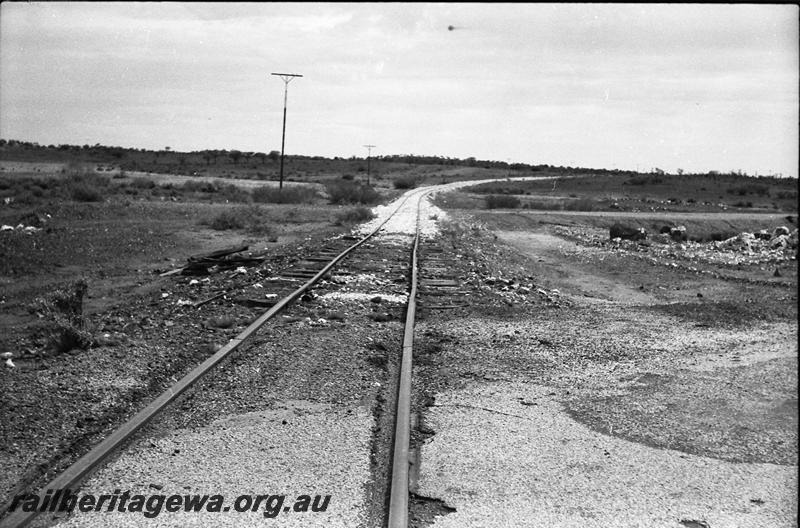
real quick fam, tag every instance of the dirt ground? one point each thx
(55, 405)
(652, 346)
(650, 360)
(747, 397)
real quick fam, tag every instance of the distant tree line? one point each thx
(132, 158)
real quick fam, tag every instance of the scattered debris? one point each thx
(208, 300)
(224, 259)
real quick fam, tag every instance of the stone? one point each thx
(779, 242)
(627, 232)
(763, 235)
(781, 230)
(678, 234)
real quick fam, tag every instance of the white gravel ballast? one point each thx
(299, 448)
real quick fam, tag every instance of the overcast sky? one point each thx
(698, 87)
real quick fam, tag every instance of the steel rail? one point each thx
(398, 494)
(75, 473)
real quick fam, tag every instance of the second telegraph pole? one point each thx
(287, 78)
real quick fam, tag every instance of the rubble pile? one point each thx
(766, 247)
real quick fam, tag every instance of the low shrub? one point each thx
(81, 192)
(643, 180)
(583, 204)
(142, 183)
(502, 201)
(226, 220)
(749, 188)
(192, 185)
(249, 217)
(405, 182)
(86, 187)
(347, 192)
(293, 195)
(233, 193)
(200, 186)
(355, 215)
(62, 311)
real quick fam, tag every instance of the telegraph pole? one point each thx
(369, 156)
(287, 78)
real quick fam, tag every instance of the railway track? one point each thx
(389, 254)
(310, 272)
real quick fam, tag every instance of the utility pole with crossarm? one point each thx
(287, 78)
(369, 157)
